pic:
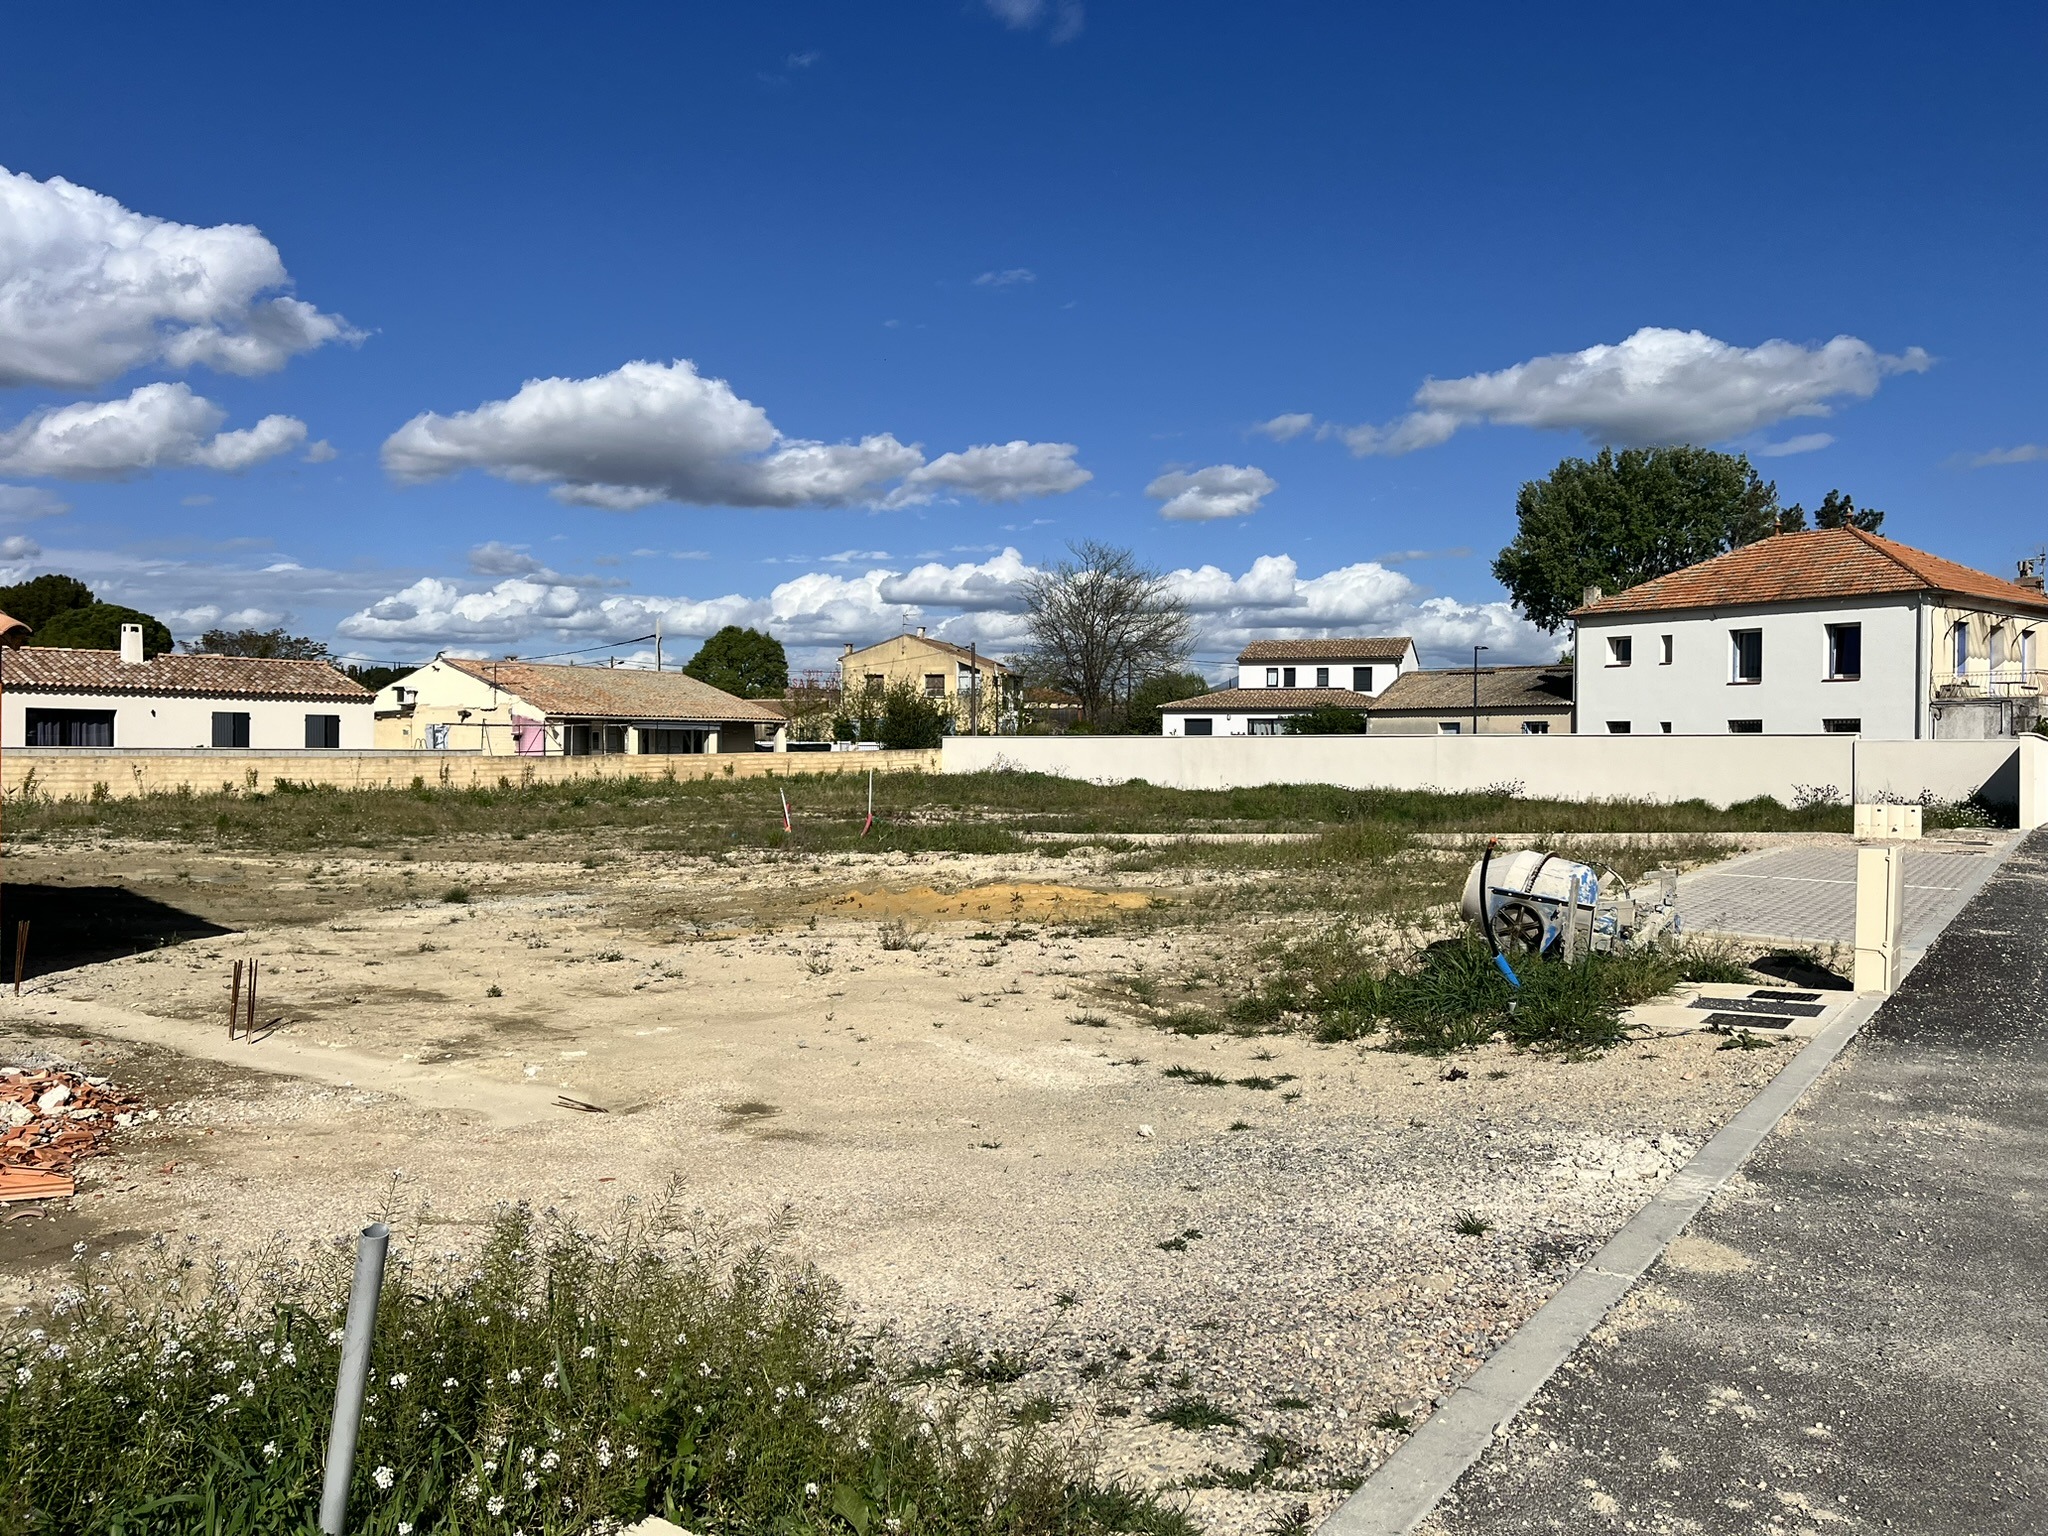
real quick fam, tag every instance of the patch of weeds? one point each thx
(1196, 1077)
(1744, 1040)
(1175, 1245)
(1038, 1409)
(1263, 1084)
(1241, 1125)
(1276, 1452)
(1394, 1421)
(1291, 1404)
(457, 895)
(1188, 1021)
(494, 990)
(1471, 1224)
(1193, 1412)
(999, 1368)
(428, 946)
(1095, 1370)
(1292, 1522)
(818, 963)
(1713, 962)
(1065, 1299)
(1088, 1021)
(1142, 988)
(1159, 1355)
(896, 935)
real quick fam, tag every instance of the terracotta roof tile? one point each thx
(615, 693)
(1818, 563)
(1238, 700)
(1374, 648)
(1449, 690)
(59, 669)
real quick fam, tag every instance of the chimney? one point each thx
(920, 631)
(849, 649)
(2030, 576)
(1591, 596)
(131, 645)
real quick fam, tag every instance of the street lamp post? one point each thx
(1475, 686)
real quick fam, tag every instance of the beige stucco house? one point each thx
(970, 684)
(1487, 701)
(534, 709)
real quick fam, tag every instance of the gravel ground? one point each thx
(990, 1178)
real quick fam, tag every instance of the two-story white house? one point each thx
(1278, 678)
(1829, 630)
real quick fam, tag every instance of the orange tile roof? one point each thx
(1380, 648)
(1816, 564)
(60, 669)
(1235, 700)
(614, 693)
(1517, 689)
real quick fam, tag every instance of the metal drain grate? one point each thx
(1735, 1021)
(1757, 1005)
(1777, 996)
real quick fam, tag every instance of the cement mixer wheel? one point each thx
(1520, 927)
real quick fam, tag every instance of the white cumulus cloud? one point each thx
(2025, 453)
(1657, 386)
(155, 426)
(1066, 16)
(90, 289)
(1008, 277)
(997, 472)
(1202, 495)
(1805, 442)
(652, 432)
(21, 503)
(1285, 427)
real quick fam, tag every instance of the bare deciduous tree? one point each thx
(1101, 623)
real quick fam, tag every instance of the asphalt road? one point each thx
(1853, 1336)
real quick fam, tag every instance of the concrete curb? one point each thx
(1413, 1481)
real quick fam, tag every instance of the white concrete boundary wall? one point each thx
(1721, 770)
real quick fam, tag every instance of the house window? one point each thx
(1287, 677)
(1845, 652)
(1842, 727)
(70, 728)
(1203, 727)
(1959, 647)
(323, 732)
(875, 680)
(1664, 727)
(1620, 650)
(1272, 677)
(1745, 727)
(1745, 655)
(1617, 727)
(935, 684)
(2026, 654)
(1449, 727)
(1664, 650)
(672, 742)
(1264, 727)
(1322, 677)
(230, 728)
(1361, 679)
(1994, 645)
(437, 737)
(1535, 727)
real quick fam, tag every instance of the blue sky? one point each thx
(1120, 237)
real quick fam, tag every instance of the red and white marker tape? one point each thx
(785, 809)
(871, 804)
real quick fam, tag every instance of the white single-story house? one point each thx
(1278, 678)
(1829, 630)
(1487, 701)
(536, 709)
(53, 696)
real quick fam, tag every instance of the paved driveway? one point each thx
(1851, 1336)
(1809, 894)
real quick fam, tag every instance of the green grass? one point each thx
(962, 813)
(1454, 997)
(554, 1381)
(1191, 1412)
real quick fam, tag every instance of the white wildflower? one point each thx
(270, 1450)
(494, 1505)
(448, 1385)
(810, 1490)
(587, 1352)
(550, 1461)
(400, 1379)
(531, 1480)
(513, 1376)
(383, 1477)
(526, 1456)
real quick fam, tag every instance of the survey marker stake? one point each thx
(871, 804)
(235, 1001)
(357, 1334)
(20, 953)
(785, 809)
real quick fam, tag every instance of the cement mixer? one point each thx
(1541, 904)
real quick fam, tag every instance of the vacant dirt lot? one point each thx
(920, 1071)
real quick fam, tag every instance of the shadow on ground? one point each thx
(73, 925)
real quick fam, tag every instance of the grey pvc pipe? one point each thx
(357, 1334)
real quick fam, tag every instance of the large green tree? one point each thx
(266, 643)
(98, 628)
(743, 662)
(1618, 520)
(1154, 692)
(41, 598)
(1836, 510)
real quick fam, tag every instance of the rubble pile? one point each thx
(49, 1120)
